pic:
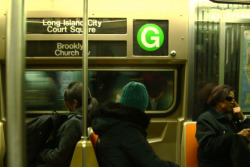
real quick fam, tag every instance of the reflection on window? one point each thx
(107, 85)
(160, 90)
(45, 89)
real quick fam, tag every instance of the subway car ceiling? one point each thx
(232, 1)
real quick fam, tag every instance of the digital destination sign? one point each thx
(74, 48)
(75, 26)
(150, 37)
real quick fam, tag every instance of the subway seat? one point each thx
(189, 145)
(93, 138)
(91, 160)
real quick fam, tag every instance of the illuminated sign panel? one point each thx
(75, 26)
(150, 37)
(74, 48)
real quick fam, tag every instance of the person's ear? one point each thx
(69, 106)
(75, 103)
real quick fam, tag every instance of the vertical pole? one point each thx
(15, 51)
(222, 38)
(85, 79)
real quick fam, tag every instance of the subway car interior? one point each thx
(194, 44)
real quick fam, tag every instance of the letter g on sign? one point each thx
(150, 37)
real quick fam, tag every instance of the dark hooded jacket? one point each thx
(60, 150)
(122, 139)
(219, 144)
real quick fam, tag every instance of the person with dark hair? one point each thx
(121, 129)
(203, 94)
(59, 151)
(223, 132)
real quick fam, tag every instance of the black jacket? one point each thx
(216, 135)
(122, 138)
(60, 150)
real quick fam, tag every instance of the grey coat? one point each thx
(60, 150)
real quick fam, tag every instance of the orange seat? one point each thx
(189, 145)
(93, 138)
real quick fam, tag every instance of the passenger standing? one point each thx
(223, 132)
(59, 151)
(121, 129)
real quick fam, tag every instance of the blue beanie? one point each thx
(135, 94)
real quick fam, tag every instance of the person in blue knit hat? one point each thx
(121, 129)
(134, 94)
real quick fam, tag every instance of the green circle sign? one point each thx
(150, 37)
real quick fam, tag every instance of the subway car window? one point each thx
(45, 89)
(207, 51)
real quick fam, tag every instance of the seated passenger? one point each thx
(59, 151)
(121, 129)
(223, 132)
